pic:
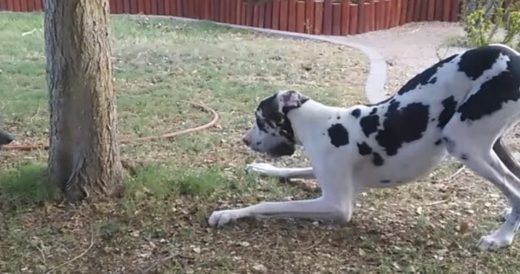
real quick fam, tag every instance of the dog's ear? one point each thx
(290, 100)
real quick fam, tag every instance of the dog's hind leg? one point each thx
(478, 153)
(507, 158)
(265, 169)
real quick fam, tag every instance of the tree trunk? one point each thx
(83, 154)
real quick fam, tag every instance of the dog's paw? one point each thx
(495, 241)
(262, 169)
(504, 215)
(221, 217)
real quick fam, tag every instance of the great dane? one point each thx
(460, 106)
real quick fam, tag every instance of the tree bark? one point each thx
(83, 151)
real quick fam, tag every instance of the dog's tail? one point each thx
(5, 138)
(506, 157)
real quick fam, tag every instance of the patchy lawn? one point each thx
(160, 66)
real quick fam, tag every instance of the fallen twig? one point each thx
(77, 257)
(454, 175)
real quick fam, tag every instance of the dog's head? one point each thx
(273, 133)
(5, 138)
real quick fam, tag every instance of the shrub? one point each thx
(483, 19)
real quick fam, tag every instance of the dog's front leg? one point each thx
(336, 203)
(269, 170)
(319, 208)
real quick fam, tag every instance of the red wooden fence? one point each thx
(330, 17)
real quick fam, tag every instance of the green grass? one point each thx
(24, 186)
(160, 66)
(159, 180)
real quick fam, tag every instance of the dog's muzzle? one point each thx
(282, 149)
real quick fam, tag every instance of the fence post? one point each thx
(404, 12)
(300, 16)
(336, 18)
(379, 15)
(276, 14)
(291, 25)
(268, 15)
(397, 12)
(455, 8)
(284, 20)
(446, 10)
(243, 13)
(345, 16)
(23, 5)
(261, 15)
(353, 18)
(256, 14)
(318, 17)
(327, 17)
(309, 16)
(371, 15)
(431, 10)
(361, 16)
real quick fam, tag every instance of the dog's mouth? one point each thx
(280, 150)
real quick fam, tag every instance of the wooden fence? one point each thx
(329, 17)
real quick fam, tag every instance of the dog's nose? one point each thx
(246, 141)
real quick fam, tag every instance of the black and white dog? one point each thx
(462, 106)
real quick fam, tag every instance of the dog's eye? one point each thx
(260, 124)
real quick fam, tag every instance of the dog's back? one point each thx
(406, 131)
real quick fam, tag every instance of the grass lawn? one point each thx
(160, 66)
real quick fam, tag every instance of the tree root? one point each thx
(214, 120)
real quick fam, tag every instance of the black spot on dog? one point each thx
(338, 135)
(475, 61)
(438, 142)
(449, 106)
(493, 93)
(373, 111)
(385, 181)
(364, 149)
(369, 124)
(394, 105)
(356, 112)
(464, 157)
(377, 159)
(424, 77)
(433, 80)
(338, 117)
(403, 125)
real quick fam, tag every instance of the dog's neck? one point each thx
(307, 118)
